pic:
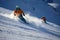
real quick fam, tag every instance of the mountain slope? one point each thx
(11, 28)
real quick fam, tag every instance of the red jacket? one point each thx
(18, 12)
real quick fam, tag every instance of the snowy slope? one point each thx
(13, 29)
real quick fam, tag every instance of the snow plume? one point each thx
(33, 20)
(11, 15)
(37, 21)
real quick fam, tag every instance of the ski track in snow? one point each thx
(13, 29)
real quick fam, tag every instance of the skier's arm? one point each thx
(23, 14)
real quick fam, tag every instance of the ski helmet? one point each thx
(17, 7)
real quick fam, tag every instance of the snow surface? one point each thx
(11, 28)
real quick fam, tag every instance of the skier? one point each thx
(44, 19)
(19, 13)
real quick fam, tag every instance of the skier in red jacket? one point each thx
(18, 12)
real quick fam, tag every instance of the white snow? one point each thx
(13, 29)
(55, 5)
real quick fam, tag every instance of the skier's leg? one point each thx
(21, 17)
(45, 21)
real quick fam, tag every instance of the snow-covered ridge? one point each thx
(55, 5)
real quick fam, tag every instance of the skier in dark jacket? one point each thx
(44, 19)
